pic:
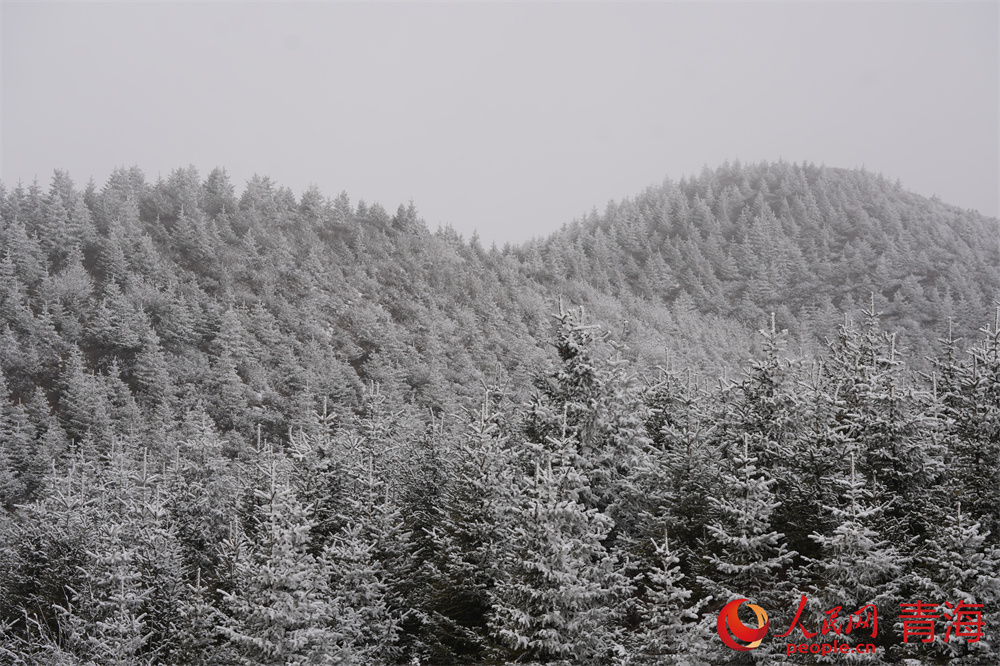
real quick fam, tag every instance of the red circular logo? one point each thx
(730, 626)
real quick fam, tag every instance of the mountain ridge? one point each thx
(685, 272)
(265, 429)
(790, 239)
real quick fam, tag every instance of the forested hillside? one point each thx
(261, 429)
(807, 243)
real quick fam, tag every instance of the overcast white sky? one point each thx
(507, 118)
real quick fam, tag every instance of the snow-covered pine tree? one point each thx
(670, 634)
(42, 568)
(347, 478)
(816, 467)
(21, 467)
(354, 531)
(468, 538)
(855, 566)
(280, 609)
(102, 578)
(558, 586)
(200, 483)
(682, 477)
(765, 411)
(196, 642)
(953, 564)
(968, 401)
(887, 423)
(155, 387)
(109, 616)
(376, 451)
(595, 398)
(366, 610)
(747, 558)
(764, 405)
(84, 407)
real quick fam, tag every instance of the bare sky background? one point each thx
(507, 118)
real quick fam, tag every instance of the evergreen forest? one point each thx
(253, 428)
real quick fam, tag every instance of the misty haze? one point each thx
(499, 334)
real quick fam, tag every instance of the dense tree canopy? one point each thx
(250, 428)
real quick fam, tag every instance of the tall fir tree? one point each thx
(557, 597)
